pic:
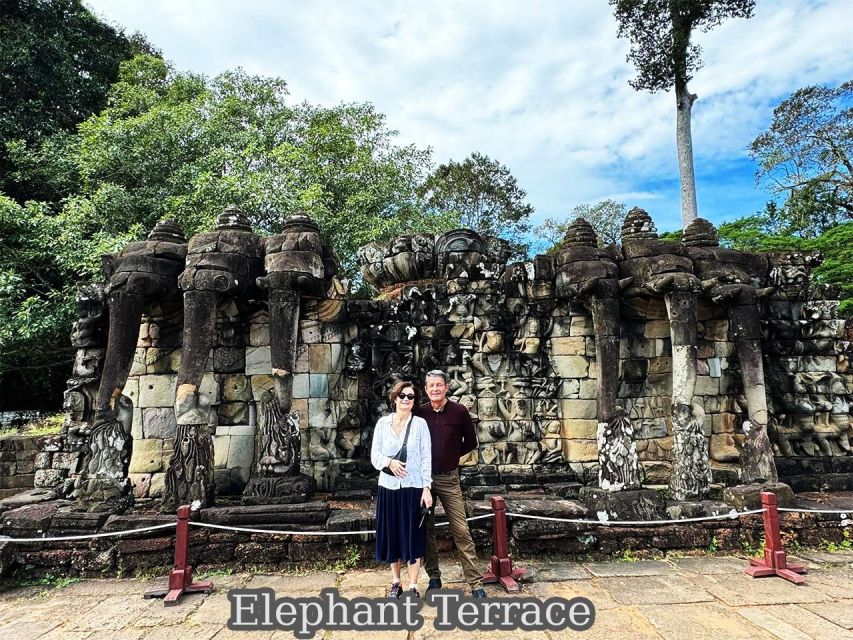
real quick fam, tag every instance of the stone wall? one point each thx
(521, 356)
(17, 464)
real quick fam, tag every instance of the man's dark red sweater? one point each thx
(451, 431)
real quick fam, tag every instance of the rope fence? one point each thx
(731, 515)
(89, 536)
(500, 568)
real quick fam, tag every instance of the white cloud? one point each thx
(541, 86)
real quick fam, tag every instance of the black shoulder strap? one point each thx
(408, 428)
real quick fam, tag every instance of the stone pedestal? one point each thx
(748, 496)
(634, 504)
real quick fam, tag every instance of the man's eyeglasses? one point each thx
(407, 396)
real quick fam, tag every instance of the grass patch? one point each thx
(49, 582)
(49, 425)
(845, 545)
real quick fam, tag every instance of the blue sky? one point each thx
(540, 86)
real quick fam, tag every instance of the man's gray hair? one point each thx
(437, 373)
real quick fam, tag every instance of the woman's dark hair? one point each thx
(398, 388)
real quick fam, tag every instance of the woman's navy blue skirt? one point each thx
(398, 537)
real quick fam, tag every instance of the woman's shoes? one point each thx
(415, 592)
(396, 590)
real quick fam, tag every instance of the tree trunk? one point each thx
(684, 142)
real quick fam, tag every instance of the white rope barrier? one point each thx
(731, 515)
(835, 511)
(89, 536)
(483, 517)
(281, 532)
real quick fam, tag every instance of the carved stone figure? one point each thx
(295, 268)
(732, 274)
(221, 264)
(657, 267)
(143, 272)
(585, 272)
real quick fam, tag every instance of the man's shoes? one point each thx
(415, 592)
(396, 590)
(478, 593)
(434, 583)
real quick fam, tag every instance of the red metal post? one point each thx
(775, 562)
(500, 568)
(181, 575)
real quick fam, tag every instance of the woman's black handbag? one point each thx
(402, 453)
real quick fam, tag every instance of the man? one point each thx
(452, 433)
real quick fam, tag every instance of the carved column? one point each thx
(220, 264)
(619, 464)
(189, 475)
(143, 272)
(757, 463)
(294, 262)
(730, 278)
(691, 471)
(658, 267)
(591, 274)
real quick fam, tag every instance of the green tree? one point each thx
(606, 217)
(180, 145)
(484, 195)
(183, 146)
(806, 155)
(659, 31)
(58, 61)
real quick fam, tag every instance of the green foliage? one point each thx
(753, 550)
(58, 62)
(837, 267)
(660, 30)
(182, 146)
(606, 217)
(349, 561)
(846, 543)
(49, 581)
(754, 233)
(484, 196)
(37, 301)
(713, 546)
(48, 425)
(806, 155)
(672, 236)
(628, 556)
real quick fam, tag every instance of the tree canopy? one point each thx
(606, 217)
(665, 58)
(58, 62)
(484, 195)
(182, 146)
(806, 155)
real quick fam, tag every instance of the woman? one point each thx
(402, 492)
